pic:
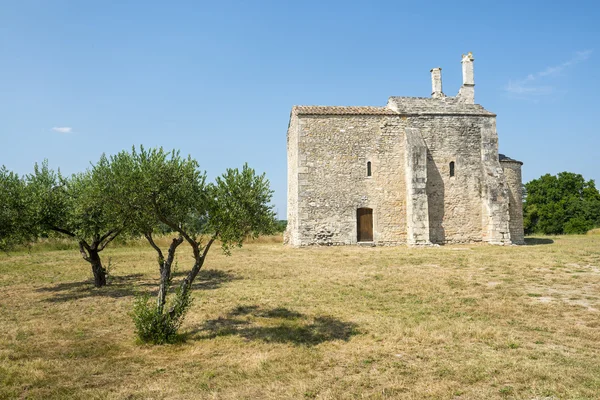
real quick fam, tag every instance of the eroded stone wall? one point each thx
(494, 193)
(512, 172)
(454, 202)
(417, 203)
(333, 181)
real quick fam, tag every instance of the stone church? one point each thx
(418, 171)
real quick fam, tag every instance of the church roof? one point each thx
(401, 106)
(504, 158)
(432, 106)
(342, 110)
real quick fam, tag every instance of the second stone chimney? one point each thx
(467, 90)
(436, 83)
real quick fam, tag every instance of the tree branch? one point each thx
(171, 255)
(178, 229)
(105, 236)
(210, 242)
(161, 258)
(191, 276)
(109, 239)
(83, 246)
(60, 230)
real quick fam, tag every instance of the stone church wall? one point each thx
(512, 171)
(454, 201)
(333, 183)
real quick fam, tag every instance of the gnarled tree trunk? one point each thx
(97, 268)
(165, 273)
(90, 254)
(186, 284)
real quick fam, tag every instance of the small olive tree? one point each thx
(75, 207)
(162, 188)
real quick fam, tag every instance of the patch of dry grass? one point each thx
(269, 322)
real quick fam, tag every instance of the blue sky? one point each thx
(217, 80)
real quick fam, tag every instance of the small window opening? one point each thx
(451, 168)
(368, 168)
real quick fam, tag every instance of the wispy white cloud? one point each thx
(537, 84)
(62, 129)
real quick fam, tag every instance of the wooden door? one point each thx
(364, 228)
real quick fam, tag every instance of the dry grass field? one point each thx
(269, 322)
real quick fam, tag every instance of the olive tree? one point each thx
(162, 188)
(74, 206)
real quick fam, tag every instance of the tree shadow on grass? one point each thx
(278, 325)
(207, 279)
(537, 241)
(128, 285)
(118, 286)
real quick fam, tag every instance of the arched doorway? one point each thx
(364, 224)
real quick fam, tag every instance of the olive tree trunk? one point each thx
(97, 269)
(90, 253)
(186, 284)
(165, 273)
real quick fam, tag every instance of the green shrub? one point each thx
(577, 225)
(155, 327)
(565, 203)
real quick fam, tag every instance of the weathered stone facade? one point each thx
(512, 173)
(417, 171)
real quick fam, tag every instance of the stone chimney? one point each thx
(467, 90)
(436, 83)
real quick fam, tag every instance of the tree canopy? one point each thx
(74, 206)
(157, 188)
(565, 203)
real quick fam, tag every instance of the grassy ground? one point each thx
(269, 322)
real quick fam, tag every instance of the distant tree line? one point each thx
(561, 204)
(281, 225)
(143, 193)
